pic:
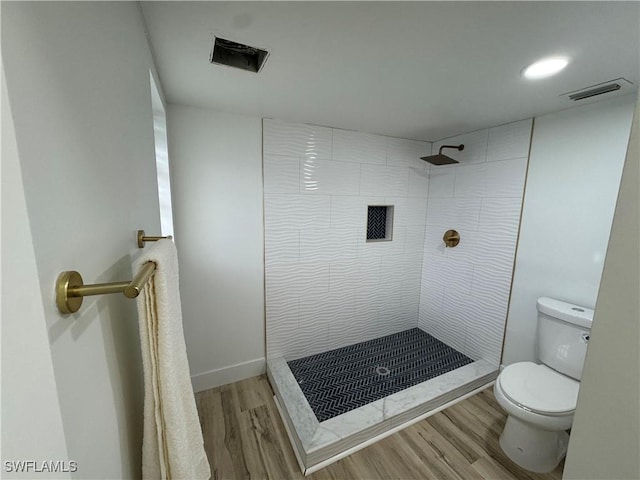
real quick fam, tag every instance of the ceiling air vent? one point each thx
(237, 55)
(612, 87)
(598, 89)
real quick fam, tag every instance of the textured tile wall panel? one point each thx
(454, 212)
(411, 295)
(282, 306)
(374, 251)
(353, 273)
(410, 307)
(351, 211)
(296, 211)
(373, 180)
(296, 139)
(391, 319)
(327, 177)
(281, 246)
(475, 147)
(503, 213)
(441, 182)
(354, 330)
(419, 181)
(281, 174)
(407, 153)
(384, 180)
(453, 275)
(492, 179)
(396, 268)
(484, 332)
(467, 250)
(434, 247)
(448, 324)
(431, 306)
(482, 200)
(325, 285)
(414, 242)
(359, 147)
(392, 268)
(308, 339)
(498, 232)
(397, 179)
(368, 304)
(408, 211)
(509, 141)
(327, 245)
(333, 306)
(297, 278)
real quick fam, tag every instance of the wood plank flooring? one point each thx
(244, 438)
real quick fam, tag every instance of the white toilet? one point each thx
(541, 399)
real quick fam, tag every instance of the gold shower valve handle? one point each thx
(451, 238)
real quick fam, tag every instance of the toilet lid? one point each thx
(539, 388)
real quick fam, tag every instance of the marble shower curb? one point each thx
(315, 442)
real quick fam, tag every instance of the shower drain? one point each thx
(382, 371)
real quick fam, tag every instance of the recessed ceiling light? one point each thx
(545, 67)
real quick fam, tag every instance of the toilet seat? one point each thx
(539, 389)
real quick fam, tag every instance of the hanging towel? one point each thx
(172, 447)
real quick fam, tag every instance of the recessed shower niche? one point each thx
(379, 223)
(347, 299)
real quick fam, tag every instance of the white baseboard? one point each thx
(230, 374)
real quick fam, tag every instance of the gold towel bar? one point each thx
(143, 238)
(70, 288)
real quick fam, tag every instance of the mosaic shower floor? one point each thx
(345, 380)
(341, 380)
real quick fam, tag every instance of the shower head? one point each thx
(441, 159)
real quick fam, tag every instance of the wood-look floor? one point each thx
(245, 438)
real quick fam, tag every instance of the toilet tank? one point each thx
(563, 335)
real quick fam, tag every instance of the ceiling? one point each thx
(422, 70)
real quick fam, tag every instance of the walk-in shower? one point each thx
(373, 320)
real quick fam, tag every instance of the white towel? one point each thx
(172, 447)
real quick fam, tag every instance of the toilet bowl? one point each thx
(540, 403)
(540, 399)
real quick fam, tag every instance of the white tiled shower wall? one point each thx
(326, 287)
(465, 290)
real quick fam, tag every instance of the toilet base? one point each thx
(532, 448)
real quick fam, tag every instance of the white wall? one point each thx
(216, 175)
(78, 82)
(605, 438)
(465, 289)
(574, 174)
(31, 419)
(326, 287)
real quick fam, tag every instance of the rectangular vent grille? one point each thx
(595, 91)
(237, 55)
(620, 85)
